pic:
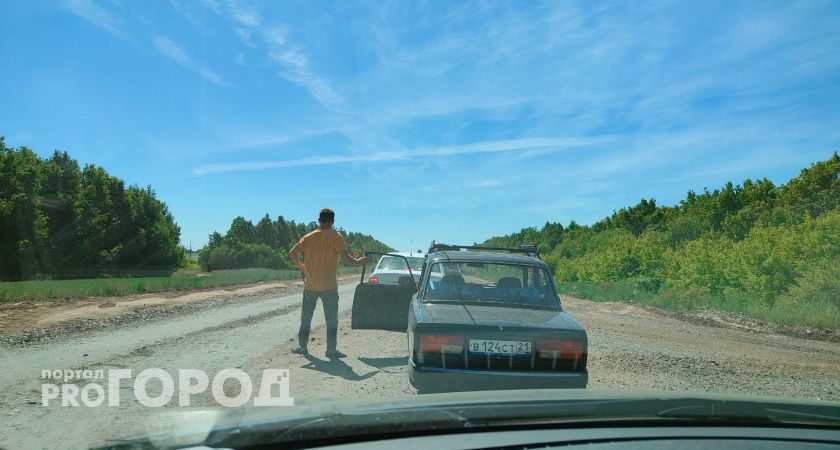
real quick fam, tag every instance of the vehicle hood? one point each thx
(495, 316)
(319, 420)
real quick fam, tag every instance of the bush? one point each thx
(820, 286)
(241, 255)
(760, 249)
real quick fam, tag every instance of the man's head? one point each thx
(326, 218)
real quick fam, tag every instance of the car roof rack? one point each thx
(526, 249)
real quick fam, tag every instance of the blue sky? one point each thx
(416, 121)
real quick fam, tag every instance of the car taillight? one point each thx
(374, 280)
(432, 343)
(559, 349)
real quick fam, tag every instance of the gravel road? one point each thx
(631, 347)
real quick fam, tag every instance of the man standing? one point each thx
(318, 267)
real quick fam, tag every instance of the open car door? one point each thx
(378, 306)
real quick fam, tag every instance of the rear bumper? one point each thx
(428, 379)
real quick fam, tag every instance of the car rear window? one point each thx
(492, 284)
(398, 263)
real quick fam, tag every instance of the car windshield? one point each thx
(492, 284)
(210, 208)
(399, 263)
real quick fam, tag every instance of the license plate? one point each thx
(494, 347)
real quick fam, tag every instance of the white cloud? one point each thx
(243, 14)
(558, 144)
(103, 18)
(296, 65)
(276, 36)
(97, 15)
(298, 69)
(173, 51)
(558, 70)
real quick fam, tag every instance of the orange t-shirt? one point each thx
(320, 249)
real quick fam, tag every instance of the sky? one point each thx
(413, 120)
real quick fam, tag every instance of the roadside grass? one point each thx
(112, 287)
(816, 313)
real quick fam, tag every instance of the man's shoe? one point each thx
(332, 354)
(300, 351)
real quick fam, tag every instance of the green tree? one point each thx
(754, 243)
(267, 244)
(264, 232)
(22, 223)
(58, 220)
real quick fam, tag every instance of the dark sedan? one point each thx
(492, 321)
(481, 318)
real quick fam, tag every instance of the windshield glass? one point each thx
(205, 204)
(492, 284)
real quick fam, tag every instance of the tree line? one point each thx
(64, 221)
(60, 220)
(267, 244)
(754, 245)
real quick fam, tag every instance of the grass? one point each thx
(814, 314)
(624, 290)
(180, 280)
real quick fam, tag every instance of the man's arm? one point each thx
(294, 255)
(350, 260)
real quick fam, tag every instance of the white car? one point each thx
(390, 268)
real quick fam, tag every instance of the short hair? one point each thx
(327, 215)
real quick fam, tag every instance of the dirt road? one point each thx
(631, 347)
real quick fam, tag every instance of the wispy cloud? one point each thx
(486, 184)
(109, 21)
(296, 66)
(97, 15)
(298, 70)
(173, 51)
(558, 144)
(682, 96)
(243, 14)
(235, 11)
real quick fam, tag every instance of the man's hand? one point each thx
(359, 260)
(350, 260)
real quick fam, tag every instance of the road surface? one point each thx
(631, 347)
